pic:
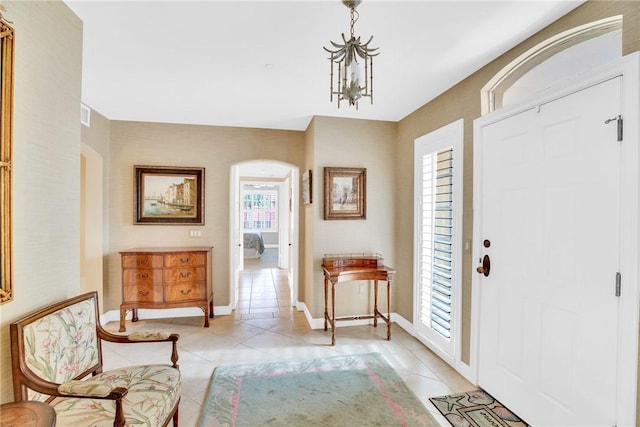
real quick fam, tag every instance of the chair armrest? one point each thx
(140, 337)
(96, 390)
(91, 389)
(149, 336)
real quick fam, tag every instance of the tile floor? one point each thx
(265, 328)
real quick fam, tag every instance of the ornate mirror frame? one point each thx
(6, 143)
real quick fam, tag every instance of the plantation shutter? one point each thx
(260, 210)
(437, 241)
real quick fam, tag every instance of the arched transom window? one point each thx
(560, 57)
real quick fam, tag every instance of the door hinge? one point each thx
(618, 283)
(619, 122)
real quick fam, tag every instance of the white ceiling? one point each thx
(261, 63)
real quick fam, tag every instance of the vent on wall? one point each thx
(85, 115)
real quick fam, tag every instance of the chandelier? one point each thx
(351, 83)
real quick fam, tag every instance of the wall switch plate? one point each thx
(195, 233)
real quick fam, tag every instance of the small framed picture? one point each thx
(169, 195)
(307, 187)
(345, 193)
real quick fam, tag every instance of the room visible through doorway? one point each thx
(264, 232)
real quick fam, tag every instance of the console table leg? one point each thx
(134, 315)
(389, 310)
(326, 297)
(211, 309)
(375, 304)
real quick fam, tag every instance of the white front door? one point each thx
(549, 222)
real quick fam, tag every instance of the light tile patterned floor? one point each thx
(265, 328)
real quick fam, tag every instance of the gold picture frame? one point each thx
(169, 195)
(345, 193)
(6, 149)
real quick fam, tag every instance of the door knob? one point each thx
(485, 268)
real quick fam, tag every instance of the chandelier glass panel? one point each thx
(351, 64)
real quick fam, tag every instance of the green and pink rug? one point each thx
(355, 390)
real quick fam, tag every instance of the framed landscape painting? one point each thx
(169, 195)
(345, 193)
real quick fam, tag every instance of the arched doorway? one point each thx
(281, 181)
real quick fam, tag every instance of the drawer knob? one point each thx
(185, 259)
(183, 292)
(143, 275)
(143, 293)
(185, 274)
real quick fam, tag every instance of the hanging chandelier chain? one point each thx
(354, 18)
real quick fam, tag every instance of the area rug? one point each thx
(476, 409)
(355, 390)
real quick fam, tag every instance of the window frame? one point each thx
(449, 136)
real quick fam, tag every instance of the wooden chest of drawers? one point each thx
(166, 278)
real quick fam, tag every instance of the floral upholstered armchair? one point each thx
(53, 352)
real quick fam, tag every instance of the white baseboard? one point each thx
(467, 372)
(318, 322)
(403, 323)
(225, 310)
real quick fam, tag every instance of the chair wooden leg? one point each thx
(119, 420)
(175, 417)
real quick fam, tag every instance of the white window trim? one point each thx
(451, 135)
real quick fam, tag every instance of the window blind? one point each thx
(437, 241)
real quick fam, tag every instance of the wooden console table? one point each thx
(344, 268)
(166, 278)
(27, 414)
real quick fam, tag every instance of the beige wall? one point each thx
(463, 101)
(305, 287)
(91, 222)
(351, 143)
(214, 148)
(334, 142)
(48, 57)
(95, 184)
(97, 137)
